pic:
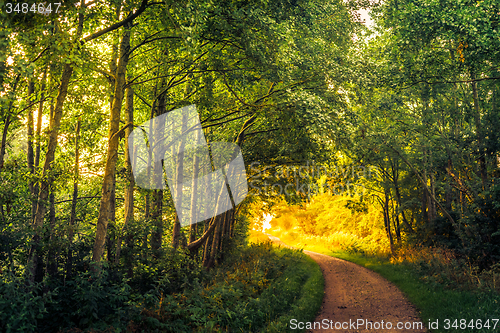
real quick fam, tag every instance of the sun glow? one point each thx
(266, 221)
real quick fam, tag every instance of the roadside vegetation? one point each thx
(258, 288)
(442, 285)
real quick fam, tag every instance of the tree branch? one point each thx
(117, 25)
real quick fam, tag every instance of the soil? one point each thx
(356, 295)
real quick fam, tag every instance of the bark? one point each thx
(179, 173)
(4, 140)
(208, 244)
(110, 236)
(157, 208)
(38, 134)
(129, 190)
(47, 168)
(449, 193)
(39, 121)
(7, 122)
(479, 133)
(112, 151)
(397, 224)
(72, 219)
(431, 203)
(30, 152)
(388, 222)
(215, 243)
(194, 186)
(51, 255)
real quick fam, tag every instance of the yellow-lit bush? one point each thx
(327, 220)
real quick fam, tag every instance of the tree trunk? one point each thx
(30, 154)
(7, 122)
(72, 219)
(479, 132)
(112, 152)
(47, 167)
(208, 245)
(110, 236)
(51, 255)
(4, 140)
(215, 242)
(388, 222)
(38, 134)
(157, 208)
(194, 186)
(179, 173)
(129, 190)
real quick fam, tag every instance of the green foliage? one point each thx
(256, 286)
(95, 300)
(21, 304)
(429, 291)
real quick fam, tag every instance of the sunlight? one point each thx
(267, 221)
(365, 17)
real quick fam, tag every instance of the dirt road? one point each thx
(359, 300)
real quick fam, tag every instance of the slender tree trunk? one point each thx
(72, 219)
(38, 136)
(7, 122)
(179, 173)
(397, 224)
(51, 255)
(4, 140)
(479, 132)
(112, 152)
(49, 158)
(157, 209)
(39, 120)
(388, 222)
(194, 187)
(129, 190)
(110, 235)
(207, 246)
(30, 153)
(215, 242)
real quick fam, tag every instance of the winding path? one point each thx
(356, 296)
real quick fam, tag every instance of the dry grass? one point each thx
(445, 267)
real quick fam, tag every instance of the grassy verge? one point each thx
(302, 279)
(439, 304)
(310, 291)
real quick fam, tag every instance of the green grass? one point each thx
(310, 291)
(434, 301)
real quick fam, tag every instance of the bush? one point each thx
(253, 288)
(21, 304)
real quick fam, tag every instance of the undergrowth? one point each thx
(258, 288)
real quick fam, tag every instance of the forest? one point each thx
(377, 137)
